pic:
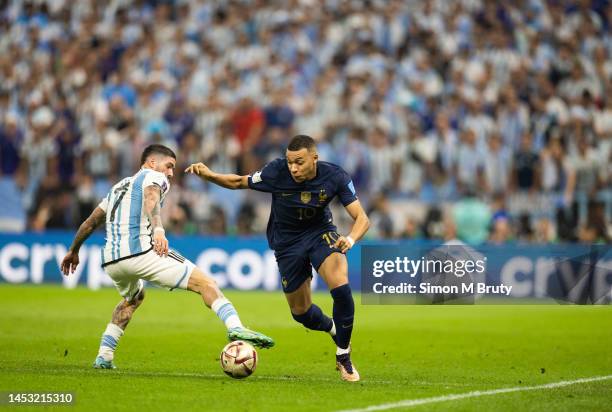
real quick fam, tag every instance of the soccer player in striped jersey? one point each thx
(137, 249)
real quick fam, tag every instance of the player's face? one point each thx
(165, 165)
(302, 164)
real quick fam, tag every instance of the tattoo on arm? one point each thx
(87, 228)
(151, 205)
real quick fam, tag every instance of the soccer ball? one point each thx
(238, 359)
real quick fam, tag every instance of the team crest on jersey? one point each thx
(284, 282)
(322, 196)
(305, 197)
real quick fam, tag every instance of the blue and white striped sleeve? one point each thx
(104, 203)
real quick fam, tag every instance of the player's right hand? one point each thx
(343, 244)
(198, 169)
(160, 243)
(69, 263)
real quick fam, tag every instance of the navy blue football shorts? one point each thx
(295, 262)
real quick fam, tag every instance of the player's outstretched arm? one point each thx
(229, 181)
(71, 260)
(360, 226)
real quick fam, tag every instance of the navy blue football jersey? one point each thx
(301, 207)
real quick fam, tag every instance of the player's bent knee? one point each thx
(135, 301)
(299, 305)
(300, 300)
(298, 310)
(200, 283)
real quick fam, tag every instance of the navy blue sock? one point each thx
(314, 319)
(343, 313)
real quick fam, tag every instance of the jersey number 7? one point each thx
(121, 191)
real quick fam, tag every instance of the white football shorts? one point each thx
(171, 272)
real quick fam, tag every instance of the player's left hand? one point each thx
(69, 263)
(343, 244)
(160, 243)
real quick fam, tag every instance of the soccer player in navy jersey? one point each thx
(302, 235)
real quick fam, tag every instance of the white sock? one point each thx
(340, 351)
(109, 342)
(227, 313)
(332, 331)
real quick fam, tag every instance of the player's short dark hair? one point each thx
(156, 149)
(301, 141)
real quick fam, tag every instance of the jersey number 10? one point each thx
(304, 213)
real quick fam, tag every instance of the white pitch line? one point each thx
(475, 394)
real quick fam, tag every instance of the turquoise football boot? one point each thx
(255, 338)
(100, 363)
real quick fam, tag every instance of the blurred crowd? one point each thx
(483, 120)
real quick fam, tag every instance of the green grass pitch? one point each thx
(168, 358)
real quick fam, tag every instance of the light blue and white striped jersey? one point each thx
(128, 230)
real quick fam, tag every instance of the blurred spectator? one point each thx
(180, 120)
(567, 223)
(501, 231)
(246, 218)
(217, 223)
(355, 159)
(278, 113)
(55, 212)
(39, 150)
(248, 123)
(67, 152)
(447, 143)
(472, 218)
(497, 165)
(594, 230)
(513, 119)
(221, 149)
(273, 144)
(180, 221)
(544, 231)
(585, 164)
(411, 229)
(380, 216)
(526, 166)
(11, 141)
(86, 199)
(470, 162)
(499, 209)
(524, 231)
(558, 175)
(382, 159)
(434, 224)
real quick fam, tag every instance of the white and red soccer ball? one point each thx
(238, 359)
